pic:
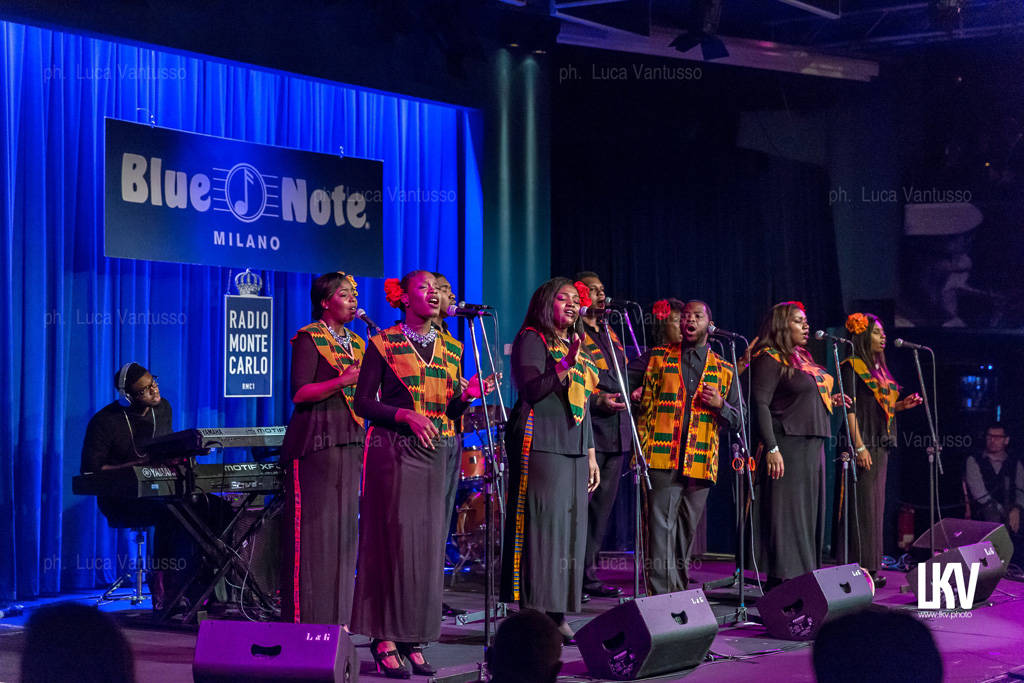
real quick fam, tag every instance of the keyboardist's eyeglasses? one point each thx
(150, 388)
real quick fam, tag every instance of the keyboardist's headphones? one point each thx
(123, 397)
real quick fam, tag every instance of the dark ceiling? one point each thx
(865, 27)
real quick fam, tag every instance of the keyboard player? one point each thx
(111, 443)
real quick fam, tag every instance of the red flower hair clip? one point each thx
(393, 291)
(661, 309)
(584, 291)
(798, 304)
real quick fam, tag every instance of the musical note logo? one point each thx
(242, 205)
(245, 192)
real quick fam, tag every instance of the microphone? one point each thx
(475, 307)
(464, 310)
(822, 334)
(719, 332)
(900, 344)
(617, 304)
(361, 314)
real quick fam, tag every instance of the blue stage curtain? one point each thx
(71, 316)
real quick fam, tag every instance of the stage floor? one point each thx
(985, 645)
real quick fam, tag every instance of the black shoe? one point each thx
(585, 597)
(401, 671)
(603, 590)
(410, 649)
(879, 581)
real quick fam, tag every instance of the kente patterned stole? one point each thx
(582, 381)
(335, 355)
(808, 366)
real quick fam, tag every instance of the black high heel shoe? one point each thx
(410, 649)
(400, 671)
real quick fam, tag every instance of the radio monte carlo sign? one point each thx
(190, 198)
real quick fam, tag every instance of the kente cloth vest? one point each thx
(431, 385)
(336, 357)
(660, 419)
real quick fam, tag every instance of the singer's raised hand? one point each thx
(472, 390)
(574, 349)
(912, 401)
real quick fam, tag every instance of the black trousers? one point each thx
(674, 507)
(599, 512)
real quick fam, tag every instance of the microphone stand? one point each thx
(640, 469)
(934, 457)
(488, 491)
(848, 472)
(740, 460)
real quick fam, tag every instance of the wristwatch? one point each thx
(773, 449)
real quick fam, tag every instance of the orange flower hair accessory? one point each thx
(393, 291)
(857, 323)
(661, 309)
(584, 291)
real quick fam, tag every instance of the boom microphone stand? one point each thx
(849, 473)
(640, 469)
(934, 456)
(742, 465)
(489, 472)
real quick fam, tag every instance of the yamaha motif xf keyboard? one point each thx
(167, 482)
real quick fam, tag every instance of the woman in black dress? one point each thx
(552, 463)
(792, 401)
(323, 455)
(409, 389)
(872, 419)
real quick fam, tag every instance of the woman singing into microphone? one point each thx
(323, 455)
(872, 419)
(409, 390)
(552, 462)
(792, 401)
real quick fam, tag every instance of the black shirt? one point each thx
(786, 404)
(611, 427)
(114, 433)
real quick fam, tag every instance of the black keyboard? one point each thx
(190, 442)
(145, 481)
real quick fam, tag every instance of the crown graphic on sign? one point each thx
(248, 283)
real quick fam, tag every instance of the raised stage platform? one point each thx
(985, 644)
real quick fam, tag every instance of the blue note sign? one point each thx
(248, 345)
(189, 198)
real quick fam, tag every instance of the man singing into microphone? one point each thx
(682, 410)
(612, 435)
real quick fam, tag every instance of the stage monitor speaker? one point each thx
(798, 608)
(229, 651)
(649, 636)
(950, 533)
(991, 570)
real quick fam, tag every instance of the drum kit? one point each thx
(467, 542)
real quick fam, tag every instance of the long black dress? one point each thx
(323, 455)
(554, 539)
(791, 415)
(402, 521)
(866, 545)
